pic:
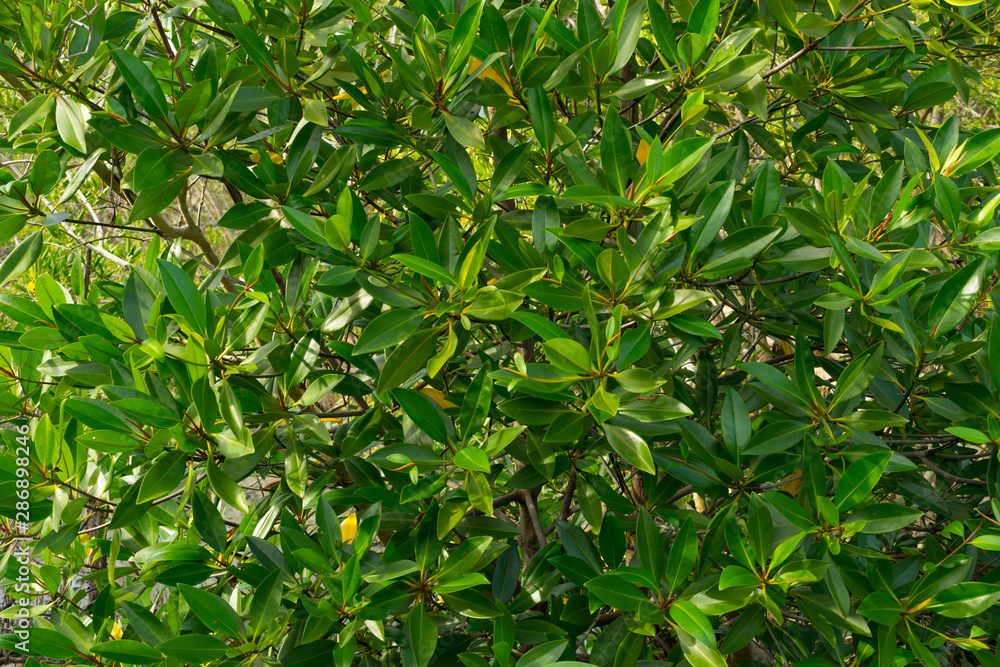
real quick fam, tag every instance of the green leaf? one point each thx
(155, 198)
(427, 268)
(35, 110)
(885, 194)
(426, 414)
(543, 654)
(465, 131)
(615, 591)
(80, 175)
(127, 651)
(227, 489)
(183, 294)
(153, 167)
(857, 377)
(140, 82)
(422, 634)
(693, 621)
(630, 447)
(542, 118)
(71, 123)
(568, 355)
(462, 38)
(736, 427)
(737, 250)
(207, 164)
(712, 214)
(192, 648)
(305, 224)
(45, 173)
(591, 194)
(46, 643)
(880, 607)
(872, 420)
(882, 518)
(208, 521)
(110, 442)
(616, 153)
(649, 544)
(704, 19)
(302, 361)
(663, 32)
(388, 329)
(407, 359)
(493, 305)
(213, 611)
(859, 479)
(266, 603)
(388, 174)
(661, 408)
(682, 555)
(471, 458)
(163, 477)
(965, 599)
(956, 298)
(977, 151)
(743, 630)
(21, 258)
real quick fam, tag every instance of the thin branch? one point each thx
(948, 476)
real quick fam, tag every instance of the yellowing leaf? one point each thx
(116, 631)
(491, 73)
(347, 96)
(349, 528)
(792, 483)
(438, 397)
(642, 152)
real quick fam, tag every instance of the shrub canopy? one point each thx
(447, 332)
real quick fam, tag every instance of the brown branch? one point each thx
(567, 502)
(948, 476)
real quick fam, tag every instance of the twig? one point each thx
(948, 476)
(529, 502)
(567, 502)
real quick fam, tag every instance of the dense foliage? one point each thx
(525, 334)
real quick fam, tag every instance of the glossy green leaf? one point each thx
(21, 258)
(630, 447)
(616, 153)
(956, 298)
(859, 479)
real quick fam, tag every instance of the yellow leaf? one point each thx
(116, 631)
(438, 397)
(642, 152)
(491, 73)
(347, 96)
(793, 483)
(349, 528)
